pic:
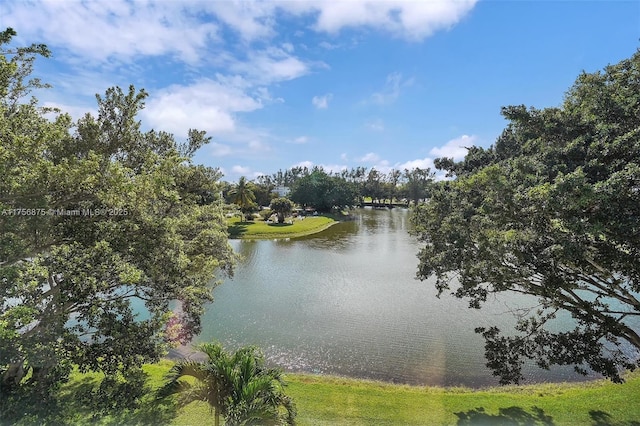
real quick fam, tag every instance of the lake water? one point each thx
(346, 302)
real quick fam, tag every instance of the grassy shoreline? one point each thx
(331, 400)
(293, 228)
(336, 400)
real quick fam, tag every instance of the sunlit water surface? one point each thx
(346, 302)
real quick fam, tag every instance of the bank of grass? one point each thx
(323, 400)
(293, 227)
(326, 401)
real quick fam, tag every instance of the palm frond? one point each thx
(194, 369)
(237, 386)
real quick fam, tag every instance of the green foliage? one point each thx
(373, 186)
(323, 192)
(265, 214)
(98, 221)
(242, 195)
(263, 191)
(282, 206)
(236, 386)
(316, 187)
(552, 210)
(339, 400)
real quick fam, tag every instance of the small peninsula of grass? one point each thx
(326, 400)
(293, 227)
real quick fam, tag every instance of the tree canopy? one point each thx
(409, 185)
(282, 206)
(551, 210)
(242, 195)
(323, 191)
(102, 226)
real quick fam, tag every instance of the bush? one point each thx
(265, 213)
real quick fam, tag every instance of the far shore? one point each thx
(291, 228)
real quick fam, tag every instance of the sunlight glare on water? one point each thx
(346, 302)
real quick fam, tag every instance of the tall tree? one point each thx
(373, 186)
(357, 178)
(237, 387)
(242, 195)
(263, 190)
(282, 206)
(552, 211)
(417, 183)
(391, 184)
(97, 220)
(323, 192)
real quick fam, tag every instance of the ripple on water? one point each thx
(345, 302)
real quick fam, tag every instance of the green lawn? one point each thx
(326, 401)
(259, 229)
(323, 400)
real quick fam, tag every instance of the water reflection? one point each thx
(346, 302)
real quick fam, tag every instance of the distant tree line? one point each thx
(324, 190)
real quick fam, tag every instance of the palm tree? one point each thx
(243, 196)
(237, 387)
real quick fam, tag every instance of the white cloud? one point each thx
(328, 46)
(410, 19)
(99, 30)
(100, 37)
(301, 139)
(308, 164)
(266, 66)
(271, 65)
(370, 157)
(344, 156)
(206, 105)
(248, 141)
(413, 20)
(391, 91)
(241, 170)
(329, 168)
(237, 171)
(322, 102)
(383, 166)
(423, 163)
(264, 95)
(74, 111)
(250, 19)
(455, 148)
(287, 47)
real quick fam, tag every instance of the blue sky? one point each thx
(384, 84)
